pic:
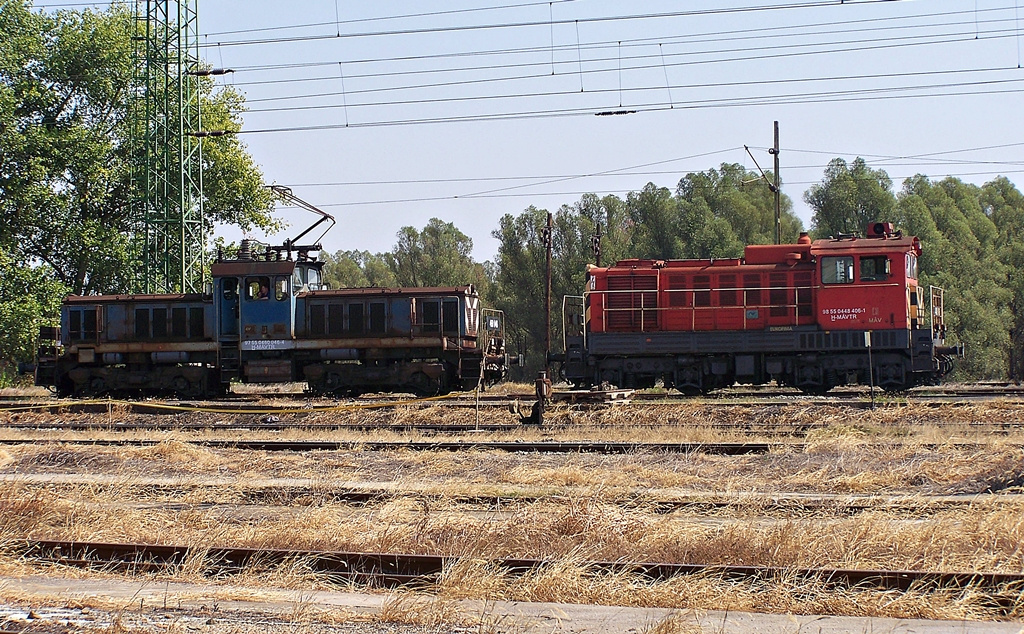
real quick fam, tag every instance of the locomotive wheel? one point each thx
(183, 388)
(423, 386)
(97, 386)
(65, 387)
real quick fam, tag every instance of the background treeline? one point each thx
(67, 160)
(970, 237)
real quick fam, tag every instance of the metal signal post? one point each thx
(778, 203)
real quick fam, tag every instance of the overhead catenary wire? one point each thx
(658, 61)
(600, 193)
(768, 32)
(717, 84)
(654, 106)
(789, 6)
(629, 171)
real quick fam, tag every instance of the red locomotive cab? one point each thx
(865, 283)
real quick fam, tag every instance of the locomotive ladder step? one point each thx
(230, 360)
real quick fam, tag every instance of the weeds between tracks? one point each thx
(854, 452)
(696, 421)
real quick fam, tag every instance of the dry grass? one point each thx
(673, 624)
(825, 466)
(855, 452)
(691, 421)
(570, 581)
(985, 536)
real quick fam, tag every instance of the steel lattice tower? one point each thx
(169, 229)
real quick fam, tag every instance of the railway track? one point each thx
(844, 505)
(730, 397)
(551, 447)
(781, 429)
(726, 449)
(396, 569)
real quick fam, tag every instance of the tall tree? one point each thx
(657, 228)
(848, 198)
(440, 255)
(67, 77)
(519, 283)
(960, 255)
(1004, 204)
(357, 269)
(66, 153)
(743, 202)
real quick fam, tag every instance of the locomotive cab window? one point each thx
(230, 286)
(378, 318)
(257, 288)
(281, 289)
(431, 317)
(450, 315)
(313, 279)
(912, 266)
(837, 270)
(83, 324)
(874, 268)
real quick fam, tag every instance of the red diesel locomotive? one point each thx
(811, 315)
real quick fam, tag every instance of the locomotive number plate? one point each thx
(268, 344)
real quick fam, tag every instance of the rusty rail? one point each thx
(400, 569)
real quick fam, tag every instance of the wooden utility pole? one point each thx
(775, 188)
(547, 297)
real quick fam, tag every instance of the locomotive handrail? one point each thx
(792, 308)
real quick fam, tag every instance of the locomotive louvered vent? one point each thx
(677, 290)
(846, 340)
(727, 293)
(778, 295)
(804, 292)
(633, 302)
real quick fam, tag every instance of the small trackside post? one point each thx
(542, 390)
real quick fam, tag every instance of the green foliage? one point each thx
(519, 283)
(440, 255)
(731, 207)
(848, 198)
(961, 254)
(29, 297)
(357, 269)
(66, 80)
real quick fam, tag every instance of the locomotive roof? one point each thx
(789, 254)
(141, 297)
(890, 243)
(252, 267)
(417, 291)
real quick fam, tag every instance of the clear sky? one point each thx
(389, 113)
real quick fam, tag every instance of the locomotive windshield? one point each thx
(306, 278)
(874, 268)
(837, 270)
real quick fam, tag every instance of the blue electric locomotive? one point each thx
(269, 318)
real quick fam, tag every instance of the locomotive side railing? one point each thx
(937, 313)
(573, 318)
(689, 304)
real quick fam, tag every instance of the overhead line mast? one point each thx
(167, 204)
